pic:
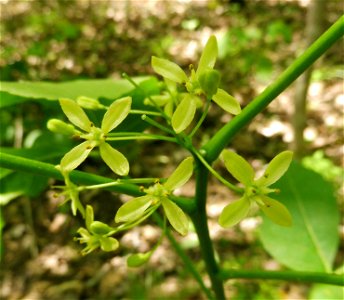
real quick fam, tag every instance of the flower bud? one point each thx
(59, 126)
(89, 103)
(209, 81)
(100, 228)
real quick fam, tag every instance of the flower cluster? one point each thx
(93, 136)
(205, 80)
(159, 194)
(96, 234)
(256, 190)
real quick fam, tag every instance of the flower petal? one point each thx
(208, 57)
(100, 228)
(275, 211)
(176, 216)
(108, 244)
(75, 114)
(116, 113)
(234, 212)
(76, 156)
(227, 102)
(238, 167)
(276, 168)
(168, 69)
(116, 161)
(180, 175)
(133, 209)
(89, 216)
(184, 113)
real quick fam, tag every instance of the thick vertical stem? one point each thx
(199, 218)
(314, 27)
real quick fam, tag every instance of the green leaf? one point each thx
(133, 209)
(325, 291)
(116, 113)
(176, 216)
(138, 259)
(234, 212)
(275, 211)
(108, 244)
(93, 88)
(168, 69)
(181, 174)
(227, 102)
(208, 57)
(238, 167)
(276, 168)
(75, 114)
(184, 113)
(116, 161)
(312, 242)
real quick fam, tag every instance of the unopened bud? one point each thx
(209, 81)
(100, 228)
(89, 103)
(58, 126)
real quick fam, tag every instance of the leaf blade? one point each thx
(311, 243)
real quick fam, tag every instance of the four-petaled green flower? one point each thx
(256, 190)
(205, 80)
(95, 136)
(96, 235)
(159, 194)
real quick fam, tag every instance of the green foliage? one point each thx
(311, 243)
(324, 166)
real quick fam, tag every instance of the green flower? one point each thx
(95, 136)
(256, 190)
(96, 235)
(205, 80)
(159, 194)
(71, 193)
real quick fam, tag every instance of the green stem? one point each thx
(186, 260)
(143, 137)
(19, 163)
(200, 121)
(297, 276)
(217, 175)
(156, 124)
(162, 113)
(117, 182)
(220, 140)
(199, 218)
(145, 112)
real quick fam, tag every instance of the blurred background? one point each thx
(64, 40)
